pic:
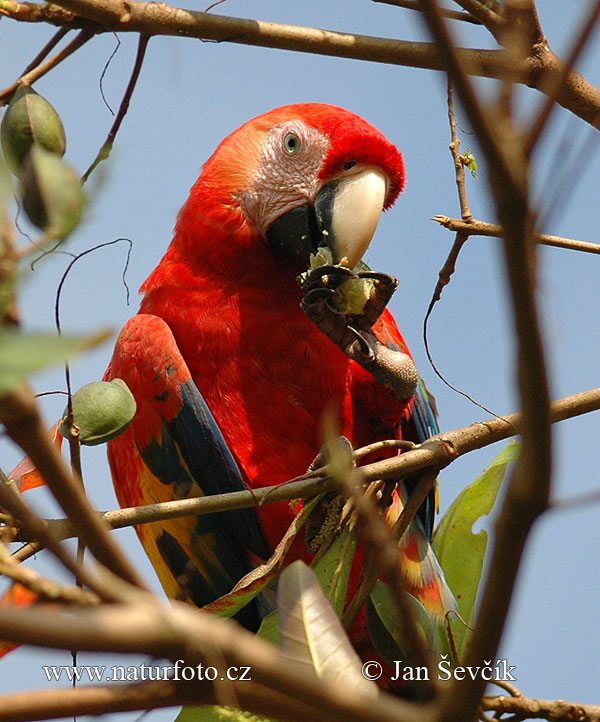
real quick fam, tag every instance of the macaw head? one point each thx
(298, 177)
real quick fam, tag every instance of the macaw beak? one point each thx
(342, 217)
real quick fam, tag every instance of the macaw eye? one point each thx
(349, 164)
(291, 143)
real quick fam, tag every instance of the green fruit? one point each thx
(102, 410)
(52, 194)
(29, 120)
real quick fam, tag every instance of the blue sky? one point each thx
(190, 95)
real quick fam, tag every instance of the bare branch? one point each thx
(581, 39)
(435, 453)
(490, 15)
(475, 227)
(19, 413)
(386, 562)
(45, 588)
(97, 700)
(529, 485)
(557, 710)
(414, 5)
(48, 47)
(37, 528)
(104, 151)
(459, 164)
(178, 632)
(539, 70)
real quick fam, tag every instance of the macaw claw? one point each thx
(353, 332)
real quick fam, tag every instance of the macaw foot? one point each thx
(345, 305)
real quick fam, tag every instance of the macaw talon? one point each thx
(379, 276)
(315, 293)
(383, 289)
(363, 345)
(393, 369)
(320, 460)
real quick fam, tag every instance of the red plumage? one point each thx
(265, 371)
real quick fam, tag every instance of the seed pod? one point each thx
(102, 410)
(29, 120)
(52, 194)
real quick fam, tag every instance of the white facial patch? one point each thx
(286, 176)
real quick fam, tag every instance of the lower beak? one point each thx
(343, 217)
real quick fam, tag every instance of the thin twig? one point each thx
(444, 276)
(418, 495)
(387, 562)
(529, 484)
(105, 699)
(19, 413)
(37, 528)
(435, 453)
(48, 47)
(581, 39)
(46, 589)
(178, 632)
(571, 502)
(459, 166)
(450, 14)
(491, 15)
(539, 70)
(378, 446)
(481, 228)
(104, 151)
(529, 708)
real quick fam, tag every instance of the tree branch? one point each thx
(557, 710)
(529, 484)
(178, 632)
(19, 413)
(104, 151)
(148, 695)
(475, 227)
(435, 453)
(37, 528)
(539, 70)
(45, 589)
(414, 5)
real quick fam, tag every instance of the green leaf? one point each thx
(216, 713)
(332, 570)
(256, 580)
(385, 624)
(459, 551)
(310, 632)
(334, 566)
(269, 628)
(24, 353)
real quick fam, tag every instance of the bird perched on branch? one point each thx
(258, 319)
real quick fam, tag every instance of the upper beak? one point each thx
(343, 217)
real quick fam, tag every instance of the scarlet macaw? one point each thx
(230, 375)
